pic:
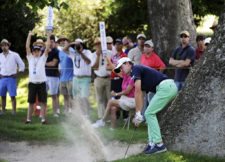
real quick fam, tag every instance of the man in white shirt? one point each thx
(9, 63)
(37, 77)
(82, 73)
(102, 81)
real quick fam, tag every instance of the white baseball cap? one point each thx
(141, 36)
(79, 40)
(207, 40)
(121, 62)
(149, 42)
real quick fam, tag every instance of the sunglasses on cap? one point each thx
(183, 36)
(97, 43)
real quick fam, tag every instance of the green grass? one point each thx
(2, 160)
(12, 128)
(123, 135)
(170, 157)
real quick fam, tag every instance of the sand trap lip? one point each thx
(60, 152)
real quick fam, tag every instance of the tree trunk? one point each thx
(167, 19)
(195, 122)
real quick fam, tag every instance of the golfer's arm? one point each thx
(138, 96)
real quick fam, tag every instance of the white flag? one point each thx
(50, 17)
(103, 38)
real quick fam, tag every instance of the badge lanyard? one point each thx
(77, 61)
(35, 65)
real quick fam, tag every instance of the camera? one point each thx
(78, 47)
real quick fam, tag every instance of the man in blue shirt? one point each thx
(182, 58)
(149, 80)
(66, 75)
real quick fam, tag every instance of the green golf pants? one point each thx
(165, 92)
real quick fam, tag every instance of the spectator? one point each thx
(9, 62)
(52, 73)
(82, 73)
(110, 45)
(62, 41)
(37, 78)
(200, 46)
(128, 44)
(150, 58)
(135, 53)
(102, 81)
(66, 74)
(149, 80)
(40, 43)
(207, 41)
(126, 101)
(116, 80)
(182, 59)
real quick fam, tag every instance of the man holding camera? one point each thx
(82, 72)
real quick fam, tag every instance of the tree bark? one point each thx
(167, 19)
(195, 122)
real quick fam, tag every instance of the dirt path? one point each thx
(25, 152)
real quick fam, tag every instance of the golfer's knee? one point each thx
(148, 114)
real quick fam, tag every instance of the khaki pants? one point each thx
(102, 90)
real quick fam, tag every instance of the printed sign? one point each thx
(103, 37)
(50, 16)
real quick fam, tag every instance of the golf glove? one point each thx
(138, 119)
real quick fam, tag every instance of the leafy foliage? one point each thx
(16, 21)
(20, 16)
(80, 19)
(204, 7)
(128, 18)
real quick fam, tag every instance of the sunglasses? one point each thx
(184, 36)
(96, 44)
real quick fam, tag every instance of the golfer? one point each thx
(149, 80)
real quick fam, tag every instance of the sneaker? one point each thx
(58, 111)
(27, 122)
(156, 149)
(108, 121)
(56, 115)
(111, 129)
(13, 113)
(69, 110)
(43, 122)
(148, 146)
(99, 123)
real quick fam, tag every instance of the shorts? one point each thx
(81, 87)
(126, 103)
(8, 85)
(66, 88)
(53, 85)
(37, 90)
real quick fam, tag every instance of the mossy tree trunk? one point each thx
(195, 122)
(167, 18)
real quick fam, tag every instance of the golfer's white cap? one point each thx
(121, 62)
